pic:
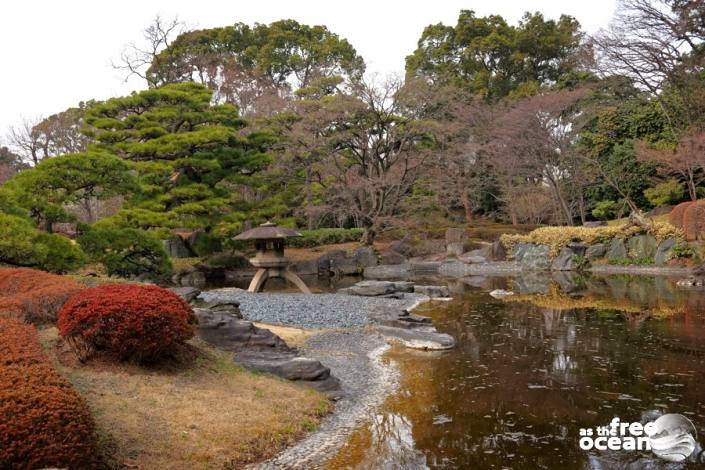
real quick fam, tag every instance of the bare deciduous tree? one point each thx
(687, 159)
(136, 59)
(659, 45)
(58, 134)
(534, 142)
(362, 150)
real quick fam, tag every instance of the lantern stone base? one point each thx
(265, 273)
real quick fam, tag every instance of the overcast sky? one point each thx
(57, 53)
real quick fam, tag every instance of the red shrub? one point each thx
(43, 421)
(675, 218)
(694, 221)
(143, 323)
(34, 296)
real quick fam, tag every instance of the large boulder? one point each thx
(225, 307)
(378, 288)
(190, 277)
(189, 294)
(663, 252)
(403, 247)
(473, 257)
(392, 257)
(642, 246)
(598, 250)
(341, 262)
(497, 252)
(487, 252)
(426, 338)
(617, 249)
(432, 291)
(532, 256)
(306, 267)
(176, 247)
(261, 350)
(565, 261)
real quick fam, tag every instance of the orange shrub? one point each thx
(143, 323)
(694, 221)
(689, 216)
(34, 296)
(43, 421)
(676, 216)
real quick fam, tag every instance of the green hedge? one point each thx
(326, 236)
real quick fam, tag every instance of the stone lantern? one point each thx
(269, 242)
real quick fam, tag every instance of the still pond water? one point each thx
(529, 371)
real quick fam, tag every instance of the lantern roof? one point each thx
(267, 231)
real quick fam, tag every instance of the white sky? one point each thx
(57, 53)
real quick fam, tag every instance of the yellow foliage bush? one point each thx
(558, 237)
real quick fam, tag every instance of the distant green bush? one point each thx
(669, 192)
(604, 210)
(326, 236)
(206, 244)
(126, 252)
(23, 245)
(227, 260)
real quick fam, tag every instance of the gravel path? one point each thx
(352, 352)
(308, 310)
(355, 357)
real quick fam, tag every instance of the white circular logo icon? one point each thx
(672, 437)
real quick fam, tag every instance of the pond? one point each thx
(532, 369)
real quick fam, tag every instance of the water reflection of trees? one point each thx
(393, 444)
(526, 375)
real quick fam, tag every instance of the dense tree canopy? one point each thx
(256, 67)
(194, 163)
(495, 59)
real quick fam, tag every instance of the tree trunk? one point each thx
(309, 216)
(692, 191)
(467, 205)
(368, 237)
(561, 203)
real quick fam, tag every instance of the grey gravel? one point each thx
(356, 358)
(309, 310)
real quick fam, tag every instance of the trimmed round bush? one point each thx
(34, 296)
(45, 423)
(133, 322)
(127, 252)
(23, 245)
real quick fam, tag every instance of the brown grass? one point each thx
(203, 412)
(292, 336)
